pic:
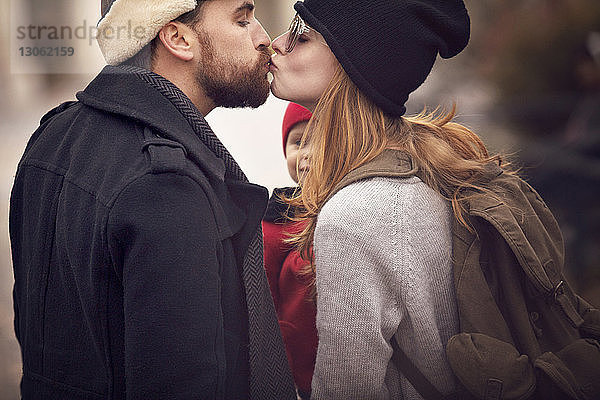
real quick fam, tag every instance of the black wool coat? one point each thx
(128, 242)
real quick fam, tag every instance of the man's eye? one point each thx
(244, 23)
(302, 39)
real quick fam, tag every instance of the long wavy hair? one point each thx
(348, 130)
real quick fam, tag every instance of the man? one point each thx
(136, 244)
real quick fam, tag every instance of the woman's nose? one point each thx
(279, 43)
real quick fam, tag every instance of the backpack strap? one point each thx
(389, 164)
(416, 378)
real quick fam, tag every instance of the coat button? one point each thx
(535, 316)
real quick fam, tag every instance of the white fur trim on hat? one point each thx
(129, 25)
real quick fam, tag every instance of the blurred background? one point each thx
(529, 84)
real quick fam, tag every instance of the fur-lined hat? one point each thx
(129, 25)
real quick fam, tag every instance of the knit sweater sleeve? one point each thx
(368, 260)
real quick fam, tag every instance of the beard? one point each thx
(229, 84)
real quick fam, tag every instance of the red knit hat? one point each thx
(294, 114)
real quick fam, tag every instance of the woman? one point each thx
(382, 240)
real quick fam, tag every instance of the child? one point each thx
(286, 271)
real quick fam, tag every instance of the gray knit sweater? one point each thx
(383, 262)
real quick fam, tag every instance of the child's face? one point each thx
(296, 155)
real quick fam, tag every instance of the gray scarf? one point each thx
(270, 376)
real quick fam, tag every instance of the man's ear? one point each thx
(178, 39)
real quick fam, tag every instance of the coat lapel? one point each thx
(119, 92)
(236, 202)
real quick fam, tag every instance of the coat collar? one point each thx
(277, 210)
(120, 92)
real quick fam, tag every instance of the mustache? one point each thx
(265, 56)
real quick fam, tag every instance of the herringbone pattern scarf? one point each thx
(270, 377)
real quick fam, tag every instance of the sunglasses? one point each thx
(297, 28)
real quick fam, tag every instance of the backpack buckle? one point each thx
(566, 305)
(558, 290)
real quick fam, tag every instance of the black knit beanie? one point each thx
(388, 47)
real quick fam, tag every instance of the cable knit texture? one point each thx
(383, 262)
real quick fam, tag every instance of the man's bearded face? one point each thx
(229, 84)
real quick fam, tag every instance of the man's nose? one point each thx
(260, 37)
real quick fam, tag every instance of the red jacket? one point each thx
(290, 287)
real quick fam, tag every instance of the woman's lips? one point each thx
(272, 65)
